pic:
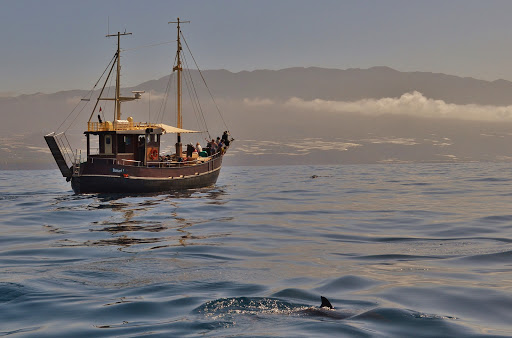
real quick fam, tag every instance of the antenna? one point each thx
(108, 25)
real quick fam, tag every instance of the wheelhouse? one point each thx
(124, 141)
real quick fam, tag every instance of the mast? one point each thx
(118, 98)
(178, 68)
(117, 112)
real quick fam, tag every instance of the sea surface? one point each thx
(409, 250)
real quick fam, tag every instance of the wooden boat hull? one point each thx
(117, 184)
(104, 176)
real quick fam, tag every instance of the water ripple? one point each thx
(412, 250)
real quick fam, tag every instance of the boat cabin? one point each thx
(128, 143)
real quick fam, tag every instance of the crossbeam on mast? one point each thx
(118, 34)
(179, 21)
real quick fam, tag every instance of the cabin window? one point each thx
(107, 140)
(152, 138)
(127, 140)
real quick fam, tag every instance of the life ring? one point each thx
(153, 154)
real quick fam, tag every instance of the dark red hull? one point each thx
(107, 176)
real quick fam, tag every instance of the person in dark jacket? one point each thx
(225, 138)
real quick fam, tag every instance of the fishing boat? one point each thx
(129, 158)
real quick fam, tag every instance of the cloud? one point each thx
(412, 104)
(292, 147)
(9, 94)
(315, 144)
(393, 140)
(258, 102)
(39, 149)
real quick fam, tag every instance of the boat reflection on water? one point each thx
(136, 219)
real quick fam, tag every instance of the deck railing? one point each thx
(159, 164)
(118, 125)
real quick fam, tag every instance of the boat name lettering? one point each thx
(115, 170)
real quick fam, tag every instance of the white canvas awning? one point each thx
(167, 129)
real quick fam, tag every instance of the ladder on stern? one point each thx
(59, 152)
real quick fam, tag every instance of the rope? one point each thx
(146, 46)
(193, 100)
(196, 97)
(108, 94)
(85, 105)
(160, 114)
(204, 81)
(89, 95)
(103, 88)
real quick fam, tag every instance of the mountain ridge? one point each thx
(292, 115)
(335, 84)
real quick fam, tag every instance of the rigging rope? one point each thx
(190, 87)
(85, 105)
(195, 101)
(108, 94)
(204, 81)
(103, 88)
(146, 46)
(160, 115)
(89, 95)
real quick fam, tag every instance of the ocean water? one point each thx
(411, 250)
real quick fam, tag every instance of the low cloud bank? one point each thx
(412, 104)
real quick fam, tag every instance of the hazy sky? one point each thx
(55, 45)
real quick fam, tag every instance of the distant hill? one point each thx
(348, 85)
(43, 110)
(276, 133)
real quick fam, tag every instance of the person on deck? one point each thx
(208, 148)
(218, 142)
(213, 147)
(225, 138)
(198, 147)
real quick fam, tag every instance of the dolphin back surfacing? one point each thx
(325, 303)
(325, 310)
(267, 306)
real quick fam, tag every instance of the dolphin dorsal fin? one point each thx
(325, 303)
